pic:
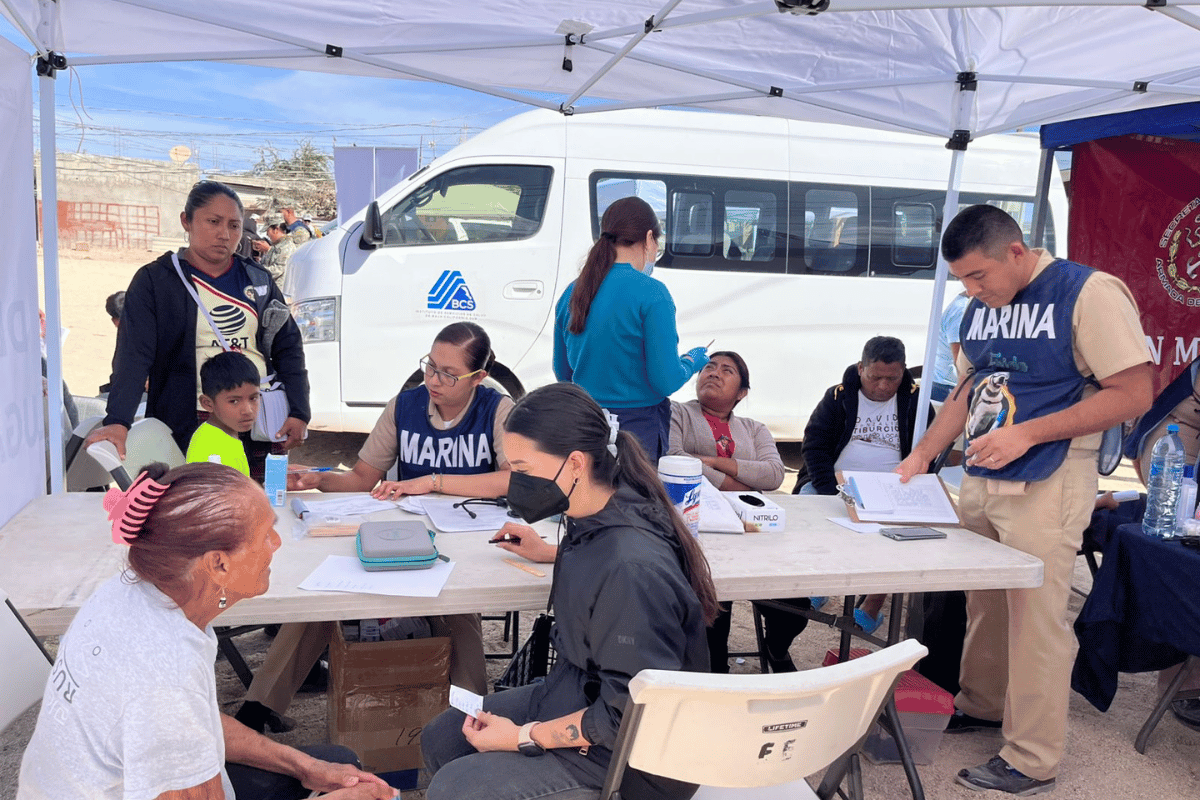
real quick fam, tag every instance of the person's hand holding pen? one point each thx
(524, 541)
(301, 477)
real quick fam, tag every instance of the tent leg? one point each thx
(966, 98)
(54, 378)
(1041, 199)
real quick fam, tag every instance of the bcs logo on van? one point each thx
(451, 293)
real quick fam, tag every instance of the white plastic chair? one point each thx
(149, 440)
(83, 473)
(26, 665)
(738, 735)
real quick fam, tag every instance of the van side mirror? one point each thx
(372, 230)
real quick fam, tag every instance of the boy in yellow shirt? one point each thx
(229, 383)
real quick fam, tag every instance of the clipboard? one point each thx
(851, 492)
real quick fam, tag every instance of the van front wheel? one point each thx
(500, 378)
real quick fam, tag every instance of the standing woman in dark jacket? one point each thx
(164, 337)
(631, 591)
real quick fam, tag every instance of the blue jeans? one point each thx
(459, 772)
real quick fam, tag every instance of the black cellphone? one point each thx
(909, 534)
(751, 500)
(507, 537)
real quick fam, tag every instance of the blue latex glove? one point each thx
(697, 357)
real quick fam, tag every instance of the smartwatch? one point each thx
(525, 743)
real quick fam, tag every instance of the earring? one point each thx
(222, 602)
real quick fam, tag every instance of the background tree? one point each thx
(303, 179)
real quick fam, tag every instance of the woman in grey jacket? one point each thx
(631, 591)
(737, 452)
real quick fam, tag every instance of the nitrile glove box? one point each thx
(756, 511)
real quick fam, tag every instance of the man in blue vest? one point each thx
(1056, 355)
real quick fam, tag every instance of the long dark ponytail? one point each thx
(626, 222)
(562, 418)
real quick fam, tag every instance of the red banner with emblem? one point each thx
(1135, 212)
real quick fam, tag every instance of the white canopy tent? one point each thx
(955, 69)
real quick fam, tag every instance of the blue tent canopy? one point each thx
(1181, 121)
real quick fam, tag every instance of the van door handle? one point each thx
(524, 290)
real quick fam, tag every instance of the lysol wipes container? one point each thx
(681, 477)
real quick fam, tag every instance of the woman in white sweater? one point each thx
(737, 453)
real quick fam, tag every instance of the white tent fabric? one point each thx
(22, 445)
(937, 67)
(880, 63)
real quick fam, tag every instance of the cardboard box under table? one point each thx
(924, 708)
(381, 695)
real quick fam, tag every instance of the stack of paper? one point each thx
(881, 497)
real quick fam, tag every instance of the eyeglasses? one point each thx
(445, 378)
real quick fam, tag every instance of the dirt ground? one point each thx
(1100, 762)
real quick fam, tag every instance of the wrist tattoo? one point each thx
(572, 733)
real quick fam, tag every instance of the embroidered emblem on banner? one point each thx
(1178, 261)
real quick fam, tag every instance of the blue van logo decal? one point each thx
(451, 293)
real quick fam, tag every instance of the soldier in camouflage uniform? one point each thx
(282, 246)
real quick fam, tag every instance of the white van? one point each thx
(791, 243)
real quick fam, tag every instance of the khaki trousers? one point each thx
(298, 645)
(1019, 647)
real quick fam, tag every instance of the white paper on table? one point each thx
(413, 505)
(716, 515)
(885, 499)
(857, 527)
(465, 701)
(346, 574)
(348, 506)
(448, 519)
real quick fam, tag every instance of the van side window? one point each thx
(709, 223)
(690, 224)
(490, 203)
(751, 220)
(833, 239)
(914, 235)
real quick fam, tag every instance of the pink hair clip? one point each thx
(128, 510)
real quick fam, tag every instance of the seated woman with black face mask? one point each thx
(627, 571)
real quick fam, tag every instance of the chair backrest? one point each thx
(755, 730)
(83, 472)
(150, 440)
(26, 665)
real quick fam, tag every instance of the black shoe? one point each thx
(964, 723)
(999, 776)
(1187, 712)
(318, 678)
(271, 631)
(258, 717)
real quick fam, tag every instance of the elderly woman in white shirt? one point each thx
(738, 454)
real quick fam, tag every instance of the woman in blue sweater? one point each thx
(614, 328)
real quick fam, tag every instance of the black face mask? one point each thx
(536, 498)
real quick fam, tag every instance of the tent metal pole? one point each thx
(966, 99)
(616, 59)
(303, 52)
(1179, 15)
(20, 22)
(1040, 200)
(54, 378)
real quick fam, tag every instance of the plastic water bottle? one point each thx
(1163, 485)
(1187, 498)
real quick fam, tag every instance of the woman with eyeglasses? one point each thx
(444, 435)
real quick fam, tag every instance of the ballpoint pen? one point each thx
(309, 469)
